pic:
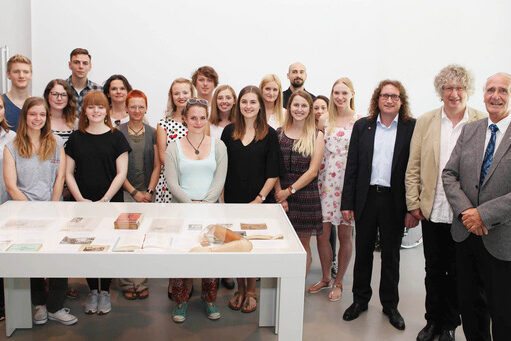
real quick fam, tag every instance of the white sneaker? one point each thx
(40, 314)
(91, 306)
(63, 316)
(104, 305)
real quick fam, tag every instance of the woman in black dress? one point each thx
(302, 149)
(96, 167)
(252, 170)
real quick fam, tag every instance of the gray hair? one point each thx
(456, 74)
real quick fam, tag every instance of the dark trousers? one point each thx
(53, 298)
(94, 283)
(440, 255)
(484, 291)
(379, 214)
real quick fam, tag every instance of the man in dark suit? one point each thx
(374, 195)
(477, 184)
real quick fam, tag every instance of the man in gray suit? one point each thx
(478, 187)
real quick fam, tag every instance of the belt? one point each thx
(380, 189)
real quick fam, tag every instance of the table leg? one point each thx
(290, 311)
(18, 308)
(268, 302)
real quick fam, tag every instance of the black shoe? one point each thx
(353, 311)
(228, 284)
(395, 318)
(447, 335)
(428, 333)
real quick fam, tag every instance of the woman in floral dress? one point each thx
(338, 127)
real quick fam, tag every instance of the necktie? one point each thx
(488, 155)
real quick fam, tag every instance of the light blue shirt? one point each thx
(384, 141)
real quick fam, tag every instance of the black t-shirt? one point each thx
(249, 166)
(288, 93)
(95, 157)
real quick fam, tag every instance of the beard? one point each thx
(296, 83)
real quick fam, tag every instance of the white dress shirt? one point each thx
(383, 152)
(442, 212)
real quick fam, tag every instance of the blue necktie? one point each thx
(488, 155)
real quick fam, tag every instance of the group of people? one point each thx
(331, 168)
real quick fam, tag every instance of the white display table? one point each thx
(279, 263)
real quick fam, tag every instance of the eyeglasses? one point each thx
(452, 88)
(58, 94)
(196, 100)
(393, 97)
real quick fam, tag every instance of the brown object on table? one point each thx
(253, 226)
(233, 242)
(128, 221)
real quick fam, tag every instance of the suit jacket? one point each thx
(422, 172)
(359, 165)
(492, 199)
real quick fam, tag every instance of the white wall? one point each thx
(153, 42)
(15, 28)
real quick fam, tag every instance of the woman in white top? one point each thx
(195, 166)
(223, 109)
(338, 128)
(271, 89)
(116, 89)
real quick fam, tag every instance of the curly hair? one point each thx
(404, 110)
(456, 74)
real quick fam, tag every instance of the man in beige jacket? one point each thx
(434, 138)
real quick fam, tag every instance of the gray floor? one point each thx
(150, 319)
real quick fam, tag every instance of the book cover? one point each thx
(25, 247)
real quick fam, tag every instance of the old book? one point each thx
(77, 240)
(129, 243)
(25, 247)
(253, 226)
(128, 221)
(94, 248)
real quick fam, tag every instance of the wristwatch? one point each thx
(150, 191)
(263, 198)
(291, 189)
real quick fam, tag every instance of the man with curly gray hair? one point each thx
(434, 138)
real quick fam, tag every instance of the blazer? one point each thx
(359, 165)
(422, 172)
(492, 199)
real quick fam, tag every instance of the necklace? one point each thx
(136, 132)
(196, 149)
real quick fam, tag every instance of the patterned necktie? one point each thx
(488, 155)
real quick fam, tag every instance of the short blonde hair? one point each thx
(18, 58)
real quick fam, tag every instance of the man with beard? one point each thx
(297, 76)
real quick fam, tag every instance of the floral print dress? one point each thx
(331, 172)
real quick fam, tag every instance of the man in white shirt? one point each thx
(434, 138)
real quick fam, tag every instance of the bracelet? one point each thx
(132, 193)
(263, 198)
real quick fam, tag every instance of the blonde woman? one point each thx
(223, 110)
(171, 128)
(302, 149)
(271, 89)
(338, 127)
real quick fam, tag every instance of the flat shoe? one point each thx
(130, 294)
(317, 287)
(236, 301)
(142, 295)
(246, 303)
(331, 296)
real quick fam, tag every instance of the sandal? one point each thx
(331, 296)
(72, 293)
(236, 301)
(249, 296)
(142, 295)
(130, 294)
(315, 288)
